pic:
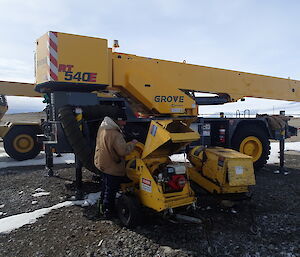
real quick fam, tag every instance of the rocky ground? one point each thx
(76, 231)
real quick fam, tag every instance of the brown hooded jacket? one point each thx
(111, 148)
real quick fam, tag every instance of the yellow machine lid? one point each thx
(227, 153)
(166, 137)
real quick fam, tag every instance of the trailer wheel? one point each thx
(253, 141)
(20, 143)
(128, 210)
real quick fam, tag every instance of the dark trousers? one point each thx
(110, 186)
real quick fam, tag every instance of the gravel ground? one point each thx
(75, 231)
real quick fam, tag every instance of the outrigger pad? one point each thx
(51, 86)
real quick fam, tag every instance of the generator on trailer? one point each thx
(157, 182)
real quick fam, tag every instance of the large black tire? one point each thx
(81, 146)
(129, 210)
(254, 137)
(20, 143)
(76, 139)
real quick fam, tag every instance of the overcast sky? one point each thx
(253, 36)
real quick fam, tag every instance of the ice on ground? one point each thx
(6, 161)
(91, 199)
(289, 146)
(13, 222)
(38, 190)
(41, 194)
(10, 223)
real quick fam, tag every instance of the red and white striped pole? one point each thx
(52, 59)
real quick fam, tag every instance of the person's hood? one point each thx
(108, 123)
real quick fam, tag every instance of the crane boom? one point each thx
(165, 78)
(10, 88)
(161, 87)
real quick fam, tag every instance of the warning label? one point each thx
(146, 185)
(239, 170)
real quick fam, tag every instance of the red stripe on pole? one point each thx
(53, 60)
(53, 45)
(53, 75)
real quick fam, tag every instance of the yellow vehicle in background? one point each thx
(19, 138)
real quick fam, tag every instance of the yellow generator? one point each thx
(157, 182)
(220, 170)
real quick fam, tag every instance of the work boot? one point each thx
(108, 214)
(100, 208)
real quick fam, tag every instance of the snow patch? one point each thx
(6, 161)
(289, 146)
(91, 199)
(13, 222)
(10, 223)
(41, 194)
(38, 190)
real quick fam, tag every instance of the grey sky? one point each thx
(247, 35)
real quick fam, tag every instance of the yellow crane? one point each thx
(154, 86)
(85, 80)
(157, 87)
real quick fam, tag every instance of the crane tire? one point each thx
(20, 143)
(76, 139)
(253, 140)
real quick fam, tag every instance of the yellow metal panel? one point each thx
(166, 137)
(211, 187)
(151, 82)
(227, 153)
(77, 59)
(157, 136)
(198, 178)
(42, 67)
(4, 130)
(18, 89)
(213, 170)
(185, 137)
(3, 110)
(86, 55)
(240, 172)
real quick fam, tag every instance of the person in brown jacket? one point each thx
(111, 148)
